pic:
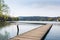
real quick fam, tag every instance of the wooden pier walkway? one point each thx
(35, 34)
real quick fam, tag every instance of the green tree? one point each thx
(4, 9)
(59, 19)
(50, 19)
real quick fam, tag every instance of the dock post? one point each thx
(17, 29)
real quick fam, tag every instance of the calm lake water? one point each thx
(12, 29)
(54, 33)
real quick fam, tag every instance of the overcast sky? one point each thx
(34, 7)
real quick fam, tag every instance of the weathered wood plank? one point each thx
(35, 34)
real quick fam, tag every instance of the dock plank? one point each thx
(35, 34)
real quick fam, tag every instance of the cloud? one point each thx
(34, 7)
(45, 11)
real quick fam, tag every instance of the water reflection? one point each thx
(54, 33)
(4, 36)
(3, 24)
(12, 29)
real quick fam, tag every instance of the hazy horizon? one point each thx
(49, 8)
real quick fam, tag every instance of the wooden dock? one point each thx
(35, 34)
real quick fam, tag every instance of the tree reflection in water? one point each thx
(4, 36)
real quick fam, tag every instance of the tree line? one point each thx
(39, 18)
(4, 12)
